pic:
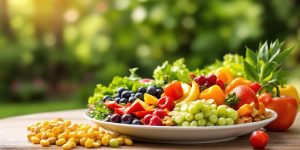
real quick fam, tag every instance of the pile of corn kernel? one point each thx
(68, 135)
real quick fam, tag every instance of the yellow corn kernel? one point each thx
(30, 135)
(52, 140)
(96, 145)
(46, 123)
(39, 135)
(72, 143)
(128, 141)
(67, 146)
(105, 141)
(61, 128)
(121, 140)
(50, 134)
(32, 128)
(45, 143)
(81, 134)
(89, 143)
(61, 141)
(63, 135)
(73, 134)
(59, 119)
(55, 130)
(35, 139)
(44, 135)
(82, 141)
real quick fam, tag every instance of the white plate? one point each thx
(183, 135)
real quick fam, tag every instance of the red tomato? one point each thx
(174, 90)
(286, 108)
(259, 139)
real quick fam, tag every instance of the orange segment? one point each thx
(214, 92)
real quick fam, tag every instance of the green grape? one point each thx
(201, 122)
(185, 124)
(199, 104)
(176, 109)
(213, 119)
(229, 121)
(207, 114)
(213, 106)
(193, 109)
(205, 108)
(231, 113)
(199, 116)
(214, 112)
(194, 123)
(184, 107)
(189, 116)
(222, 110)
(209, 124)
(179, 119)
(221, 121)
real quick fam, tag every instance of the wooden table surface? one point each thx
(13, 135)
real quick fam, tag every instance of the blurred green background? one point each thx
(54, 52)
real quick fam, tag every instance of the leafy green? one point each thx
(266, 65)
(100, 111)
(233, 62)
(175, 71)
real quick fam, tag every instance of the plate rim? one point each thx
(274, 116)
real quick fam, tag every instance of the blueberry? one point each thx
(106, 97)
(151, 90)
(127, 119)
(125, 94)
(158, 93)
(123, 100)
(132, 99)
(120, 91)
(136, 122)
(140, 96)
(142, 90)
(116, 118)
(117, 100)
(132, 94)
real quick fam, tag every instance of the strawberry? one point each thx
(241, 95)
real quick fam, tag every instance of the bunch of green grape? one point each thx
(199, 113)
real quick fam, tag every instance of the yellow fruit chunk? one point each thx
(214, 92)
(186, 90)
(245, 110)
(193, 94)
(224, 74)
(150, 100)
(144, 104)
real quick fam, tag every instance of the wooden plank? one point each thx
(13, 135)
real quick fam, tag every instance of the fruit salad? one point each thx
(227, 92)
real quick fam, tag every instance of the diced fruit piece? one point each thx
(262, 108)
(255, 86)
(214, 92)
(245, 110)
(186, 90)
(224, 74)
(119, 111)
(136, 106)
(193, 94)
(142, 114)
(166, 103)
(174, 90)
(147, 118)
(112, 105)
(155, 121)
(160, 113)
(149, 99)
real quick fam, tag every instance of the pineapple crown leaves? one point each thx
(266, 65)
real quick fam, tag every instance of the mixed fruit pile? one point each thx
(236, 90)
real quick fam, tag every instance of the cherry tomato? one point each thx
(174, 90)
(259, 139)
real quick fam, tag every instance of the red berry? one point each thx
(211, 79)
(221, 84)
(200, 80)
(255, 86)
(160, 113)
(155, 121)
(259, 139)
(147, 118)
